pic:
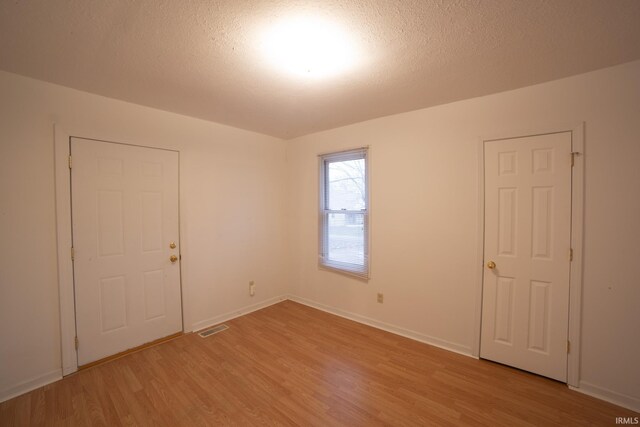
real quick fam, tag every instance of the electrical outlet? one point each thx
(252, 288)
(380, 297)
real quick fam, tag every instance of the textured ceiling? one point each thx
(201, 57)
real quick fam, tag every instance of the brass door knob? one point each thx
(173, 258)
(172, 245)
(491, 265)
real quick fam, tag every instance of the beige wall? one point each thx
(424, 210)
(232, 185)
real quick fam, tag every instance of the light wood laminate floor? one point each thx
(289, 364)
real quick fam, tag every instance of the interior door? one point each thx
(126, 246)
(525, 298)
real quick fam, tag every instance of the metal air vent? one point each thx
(211, 331)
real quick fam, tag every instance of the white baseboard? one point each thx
(616, 398)
(202, 324)
(417, 336)
(32, 384)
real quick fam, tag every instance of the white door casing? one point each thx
(525, 299)
(124, 217)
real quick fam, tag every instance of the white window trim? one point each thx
(323, 263)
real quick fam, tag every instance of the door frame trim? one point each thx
(62, 174)
(577, 230)
(64, 244)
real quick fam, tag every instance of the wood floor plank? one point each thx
(290, 365)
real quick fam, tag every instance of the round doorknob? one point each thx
(173, 258)
(491, 265)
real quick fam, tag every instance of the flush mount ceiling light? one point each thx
(308, 47)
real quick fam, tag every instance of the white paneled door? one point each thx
(126, 246)
(525, 297)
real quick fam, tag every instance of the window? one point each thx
(344, 212)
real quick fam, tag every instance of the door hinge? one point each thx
(573, 157)
(570, 254)
(69, 162)
(73, 253)
(77, 342)
(568, 346)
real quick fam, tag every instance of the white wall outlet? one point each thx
(380, 297)
(252, 288)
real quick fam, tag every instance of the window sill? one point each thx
(364, 277)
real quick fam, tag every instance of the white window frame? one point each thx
(357, 270)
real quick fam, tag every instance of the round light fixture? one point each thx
(308, 47)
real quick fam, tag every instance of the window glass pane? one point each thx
(346, 185)
(345, 238)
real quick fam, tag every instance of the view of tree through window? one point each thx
(344, 219)
(346, 192)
